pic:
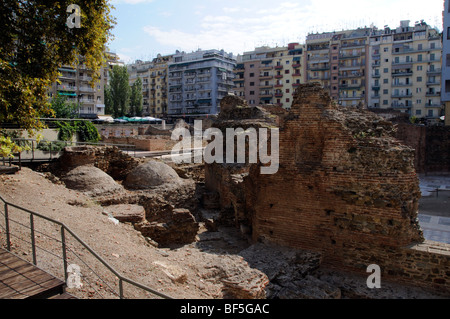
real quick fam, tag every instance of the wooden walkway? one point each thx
(20, 279)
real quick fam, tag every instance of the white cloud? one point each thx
(237, 29)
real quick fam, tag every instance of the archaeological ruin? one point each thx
(345, 188)
(345, 197)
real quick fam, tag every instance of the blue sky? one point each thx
(148, 27)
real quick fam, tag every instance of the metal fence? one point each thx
(60, 253)
(54, 149)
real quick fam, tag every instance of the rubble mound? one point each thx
(177, 229)
(92, 181)
(126, 213)
(151, 174)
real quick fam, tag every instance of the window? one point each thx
(288, 100)
(419, 58)
(447, 86)
(385, 102)
(385, 81)
(418, 112)
(419, 68)
(385, 91)
(286, 71)
(420, 47)
(252, 83)
(252, 92)
(252, 75)
(430, 113)
(386, 70)
(419, 102)
(252, 66)
(432, 57)
(386, 50)
(287, 91)
(432, 45)
(419, 79)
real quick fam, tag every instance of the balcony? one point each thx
(353, 97)
(431, 83)
(279, 94)
(296, 65)
(404, 73)
(401, 106)
(66, 88)
(402, 95)
(433, 94)
(296, 74)
(434, 72)
(278, 67)
(433, 105)
(355, 66)
(265, 77)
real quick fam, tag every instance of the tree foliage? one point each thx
(63, 108)
(136, 99)
(35, 41)
(118, 92)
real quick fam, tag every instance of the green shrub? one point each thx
(87, 132)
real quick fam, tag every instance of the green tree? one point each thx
(136, 98)
(63, 108)
(35, 41)
(118, 92)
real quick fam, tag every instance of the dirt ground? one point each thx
(192, 271)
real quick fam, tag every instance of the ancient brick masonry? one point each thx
(343, 180)
(345, 188)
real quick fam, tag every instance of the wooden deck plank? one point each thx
(7, 269)
(20, 279)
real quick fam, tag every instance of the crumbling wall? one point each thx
(347, 188)
(109, 159)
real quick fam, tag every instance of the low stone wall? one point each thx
(145, 142)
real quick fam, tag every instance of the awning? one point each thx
(67, 94)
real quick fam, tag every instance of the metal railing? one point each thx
(54, 151)
(65, 249)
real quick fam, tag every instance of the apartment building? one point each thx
(198, 81)
(405, 70)
(338, 60)
(154, 76)
(270, 75)
(74, 83)
(445, 75)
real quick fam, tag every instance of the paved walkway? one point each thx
(434, 212)
(435, 228)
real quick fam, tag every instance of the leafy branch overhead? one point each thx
(35, 41)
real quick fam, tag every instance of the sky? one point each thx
(146, 28)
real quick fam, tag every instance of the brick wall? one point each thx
(431, 145)
(347, 188)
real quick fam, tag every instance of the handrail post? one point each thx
(33, 242)
(63, 241)
(8, 243)
(121, 288)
